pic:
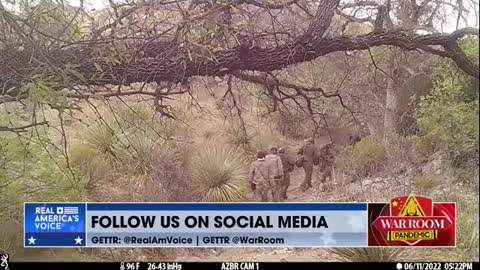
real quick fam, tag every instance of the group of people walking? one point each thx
(270, 172)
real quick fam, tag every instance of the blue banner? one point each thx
(54, 224)
(196, 225)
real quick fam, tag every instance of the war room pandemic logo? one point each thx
(412, 221)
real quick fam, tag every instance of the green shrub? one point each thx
(363, 158)
(428, 144)
(448, 117)
(220, 175)
(136, 152)
(29, 173)
(128, 137)
(132, 149)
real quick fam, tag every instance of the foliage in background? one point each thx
(30, 170)
(130, 143)
(449, 115)
(251, 140)
(126, 153)
(296, 125)
(103, 139)
(263, 139)
(363, 158)
(125, 138)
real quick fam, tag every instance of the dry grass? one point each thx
(426, 183)
(467, 230)
(171, 174)
(367, 254)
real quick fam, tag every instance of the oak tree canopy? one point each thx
(170, 41)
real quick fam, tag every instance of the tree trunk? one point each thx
(390, 124)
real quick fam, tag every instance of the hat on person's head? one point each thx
(310, 140)
(281, 150)
(260, 154)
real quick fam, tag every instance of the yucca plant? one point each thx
(220, 175)
(135, 152)
(209, 134)
(134, 116)
(367, 254)
(103, 138)
(141, 184)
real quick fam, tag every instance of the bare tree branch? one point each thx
(22, 128)
(170, 60)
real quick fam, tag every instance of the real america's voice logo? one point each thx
(54, 224)
(412, 221)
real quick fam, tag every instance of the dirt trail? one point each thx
(379, 188)
(276, 254)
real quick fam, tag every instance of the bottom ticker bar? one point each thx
(244, 265)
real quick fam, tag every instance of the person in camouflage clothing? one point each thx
(288, 167)
(275, 171)
(259, 178)
(327, 159)
(309, 155)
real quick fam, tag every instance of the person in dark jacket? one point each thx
(288, 167)
(327, 160)
(310, 155)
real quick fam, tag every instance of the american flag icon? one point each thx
(67, 210)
